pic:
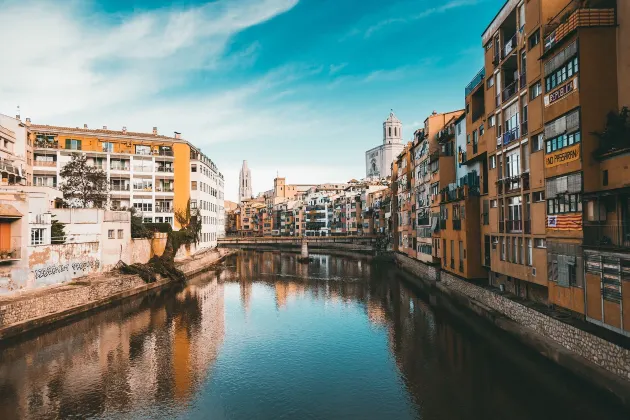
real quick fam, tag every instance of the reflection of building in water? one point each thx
(130, 356)
(376, 313)
(286, 290)
(246, 294)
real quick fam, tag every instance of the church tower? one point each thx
(392, 130)
(244, 183)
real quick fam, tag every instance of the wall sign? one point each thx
(565, 155)
(561, 92)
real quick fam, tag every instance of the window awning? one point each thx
(8, 211)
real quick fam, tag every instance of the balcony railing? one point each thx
(522, 80)
(164, 188)
(510, 90)
(165, 153)
(579, 18)
(512, 183)
(527, 225)
(142, 169)
(143, 189)
(164, 210)
(457, 224)
(164, 169)
(119, 167)
(475, 81)
(119, 187)
(509, 46)
(50, 164)
(46, 144)
(510, 135)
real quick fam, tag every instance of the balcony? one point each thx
(114, 187)
(146, 169)
(119, 167)
(606, 236)
(142, 189)
(475, 81)
(45, 163)
(509, 47)
(514, 226)
(510, 135)
(512, 184)
(165, 153)
(164, 188)
(164, 169)
(510, 90)
(457, 224)
(522, 80)
(163, 209)
(580, 17)
(46, 144)
(524, 130)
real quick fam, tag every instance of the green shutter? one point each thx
(78, 144)
(68, 144)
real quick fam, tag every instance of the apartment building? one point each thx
(152, 173)
(404, 240)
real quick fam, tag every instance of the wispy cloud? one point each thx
(336, 68)
(453, 4)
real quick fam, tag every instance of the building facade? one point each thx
(378, 160)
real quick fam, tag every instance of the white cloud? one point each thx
(453, 4)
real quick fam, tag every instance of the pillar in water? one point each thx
(304, 249)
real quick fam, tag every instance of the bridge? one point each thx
(347, 243)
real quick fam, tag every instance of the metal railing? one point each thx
(143, 169)
(47, 163)
(113, 187)
(161, 188)
(510, 135)
(510, 90)
(164, 169)
(575, 17)
(45, 144)
(509, 46)
(514, 225)
(163, 209)
(475, 81)
(118, 167)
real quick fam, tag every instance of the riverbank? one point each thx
(592, 358)
(34, 309)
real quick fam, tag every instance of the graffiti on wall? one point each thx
(73, 269)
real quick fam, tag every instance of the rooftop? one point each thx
(92, 131)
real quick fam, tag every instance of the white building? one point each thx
(379, 159)
(244, 183)
(207, 199)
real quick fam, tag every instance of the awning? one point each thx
(7, 210)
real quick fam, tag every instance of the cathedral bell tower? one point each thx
(392, 130)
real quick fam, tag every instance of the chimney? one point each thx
(434, 112)
(155, 131)
(178, 135)
(85, 126)
(104, 127)
(124, 130)
(28, 121)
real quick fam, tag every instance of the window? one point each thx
(120, 234)
(562, 141)
(565, 203)
(37, 236)
(540, 243)
(539, 196)
(193, 168)
(110, 234)
(72, 144)
(561, 74)
(108, 147)
(147, 220)
(490, 82)
(459, 129)
(193, 204)
(193, 185)
(493, 161)
(493, 204)
(605, 177)
(481, 130)
(537, 142)
(534, 39)
(143, 150)
(535, 91)
(493, 121)
(502, 240)
(467, 138)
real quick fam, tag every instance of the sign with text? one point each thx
(561, 92)
(565, 155)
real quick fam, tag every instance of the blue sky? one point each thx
(295, 86)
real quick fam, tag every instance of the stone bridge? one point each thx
(348, 243)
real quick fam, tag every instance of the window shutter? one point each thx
(573, 121)
(68, 144)
(560, 58)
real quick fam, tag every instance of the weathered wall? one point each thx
(51, 264)
(603, 353)
(418, 268)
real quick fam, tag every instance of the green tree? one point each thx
(616, 134)
(83, 185)
(57, 232)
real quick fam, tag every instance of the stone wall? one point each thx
(603, 353)
(61, 298)
(417, 268)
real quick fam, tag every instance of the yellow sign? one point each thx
(566, 155)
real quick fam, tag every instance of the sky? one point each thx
(298, 88)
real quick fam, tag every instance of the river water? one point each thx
(264, 337)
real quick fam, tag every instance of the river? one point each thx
(265, 337)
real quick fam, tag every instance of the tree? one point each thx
(616, 134)
(83, 185)
(57, 232)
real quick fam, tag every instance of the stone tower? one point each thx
(244, 183)
(392, 130)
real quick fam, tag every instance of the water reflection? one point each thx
(268, 337)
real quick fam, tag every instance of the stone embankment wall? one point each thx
(595, 359)
(34, 308)
(603, 353)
